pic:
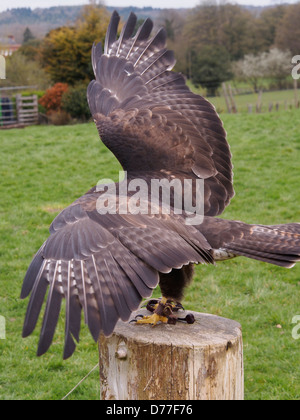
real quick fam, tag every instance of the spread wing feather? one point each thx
(73, 308)
(105, 264)
(142, 108)
(38, 289)
(52, 310)
(102, 265)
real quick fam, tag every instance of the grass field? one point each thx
(284, 98)
(43, 169)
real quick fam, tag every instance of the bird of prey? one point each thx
(105, 263)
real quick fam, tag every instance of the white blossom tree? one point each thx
(274, 64)
(251, 68)
(278, 65)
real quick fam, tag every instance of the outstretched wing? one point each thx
(105, 265)
(148, 117)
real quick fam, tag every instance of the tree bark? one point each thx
(200, 361)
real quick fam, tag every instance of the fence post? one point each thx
(233, 104)
(27, 109)
(259, 102)
(296, 94)
(18, 107)
(226, 98)
(200, 361)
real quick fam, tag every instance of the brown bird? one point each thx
(105, 262)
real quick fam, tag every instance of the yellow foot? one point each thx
(152, 319)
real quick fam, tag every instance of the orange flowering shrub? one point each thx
(51, 101)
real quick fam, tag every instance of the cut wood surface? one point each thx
(200, 361)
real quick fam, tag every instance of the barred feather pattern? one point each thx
(104, 264)
(139, 104)
(274, 244)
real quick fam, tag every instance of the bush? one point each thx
(74, 102)
(21, 71)
(51, 101)
(59, 117)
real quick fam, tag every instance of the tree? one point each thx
(288, 31)
(225, 25)
(251, 68)
(210, 68)
(61, 57)
(278, 65)
(27, 35)
(32, 49)
(22, 72)
(267, 24)
(274, 64)
(236, 31)
(173, 22)
(202, 26)
(66, 53)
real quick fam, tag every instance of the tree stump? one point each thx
(200, 361)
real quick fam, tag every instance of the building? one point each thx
(8, 45)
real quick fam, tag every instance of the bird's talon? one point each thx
(162, 312)
(135, 319)
(172, 319)
(152, 319)
(189, 319)
(178, 306)
(152, 305)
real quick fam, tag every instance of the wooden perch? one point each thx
(200, 361)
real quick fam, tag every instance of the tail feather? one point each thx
(276, 244)
(287, 261)
(279, 245)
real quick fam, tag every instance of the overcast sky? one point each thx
(8, 4)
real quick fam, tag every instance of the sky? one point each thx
(8, 4)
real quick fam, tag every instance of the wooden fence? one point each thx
(7, 112)
(19, 112)
(27, 109)
(258, 107)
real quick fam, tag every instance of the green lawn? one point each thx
(43, 169)
(284, 98)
